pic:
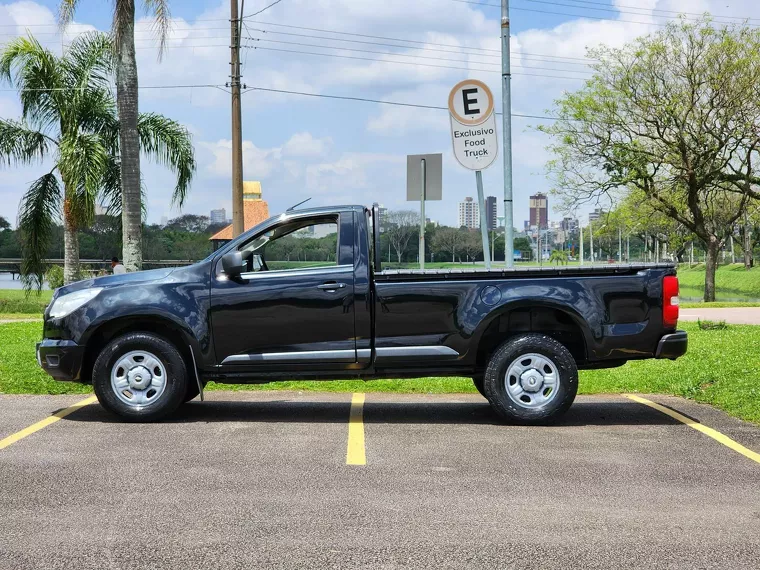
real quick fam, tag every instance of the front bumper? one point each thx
(62, 359)
(672, 345)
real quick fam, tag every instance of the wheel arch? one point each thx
(561, 322)
(161, 326)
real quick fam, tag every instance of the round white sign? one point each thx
(473, 124)
(470, 102)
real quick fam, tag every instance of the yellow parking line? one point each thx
(11, 439)
(715, 434)
(355, 454)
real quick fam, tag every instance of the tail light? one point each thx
(670, 301)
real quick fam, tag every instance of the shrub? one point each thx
(54, 276)
(712, 325)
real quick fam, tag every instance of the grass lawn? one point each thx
(16, 301)
(722, 368)
(732, 283)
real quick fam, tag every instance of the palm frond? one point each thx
(66, 9)
(170, 144)
(89, 61)
(159, 9)
(83, 163)
(21, 145)
(110, 190)
(35, 71)
(95, 112)
(39, 210)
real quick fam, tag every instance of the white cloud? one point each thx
(306, 146)
(362, 158)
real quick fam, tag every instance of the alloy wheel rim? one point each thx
(138, 378)
(532, 380)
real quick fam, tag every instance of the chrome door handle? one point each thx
(331, 286)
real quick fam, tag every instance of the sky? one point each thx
(341, 151)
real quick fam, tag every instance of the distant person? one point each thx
(118, 268)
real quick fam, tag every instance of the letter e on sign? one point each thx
(471, 102)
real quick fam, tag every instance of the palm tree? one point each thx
(123, 28)
(558, 256)
(69, 116)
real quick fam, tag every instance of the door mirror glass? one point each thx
(232, 263)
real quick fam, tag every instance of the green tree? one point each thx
(674, 117)
(123, 27)
(447, 241)
(472, 244)
(558, 256)
(69, 115)
(400, 226)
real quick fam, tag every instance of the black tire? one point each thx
(192, 390)
(478, 381)
(531, 410)
(169, 357)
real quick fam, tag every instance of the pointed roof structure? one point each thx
(255, 211)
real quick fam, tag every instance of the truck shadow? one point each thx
(286, 411)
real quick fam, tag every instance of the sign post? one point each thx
(424, 181)
(422, 214)
(473, 135)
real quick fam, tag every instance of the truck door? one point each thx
(293, 306)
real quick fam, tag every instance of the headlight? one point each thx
(65, 304)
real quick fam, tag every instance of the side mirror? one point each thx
(232, 263)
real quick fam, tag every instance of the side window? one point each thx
(295, 245)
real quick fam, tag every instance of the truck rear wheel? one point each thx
(140, 377)
(531, 379)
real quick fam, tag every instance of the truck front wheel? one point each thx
(531, 379)
(140, 377)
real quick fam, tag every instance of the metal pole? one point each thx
(238, 223)
(620, 245)
(628, 248)
(483, 221)
(506, 107)
(422, 214)
(581, 228)
(591, 236)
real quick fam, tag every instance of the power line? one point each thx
(383, 102)
(528, 55)
(559, 13)
(263, 9)
(410, 63)
(397, 54)
(49, 89)
(609, 9)
(622, 9)
(423, 45)
(289, 92)
(377, 37)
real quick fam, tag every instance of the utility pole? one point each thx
(238, 223)
(506, 109)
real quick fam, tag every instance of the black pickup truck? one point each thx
(149, 341)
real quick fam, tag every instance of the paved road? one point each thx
(736, 315)
(259, 480)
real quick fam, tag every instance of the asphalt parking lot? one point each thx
(261, 480)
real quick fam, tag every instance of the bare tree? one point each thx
(448, 240)
(472, 245)
(400, 226)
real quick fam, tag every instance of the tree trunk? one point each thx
(711, 262)
(747, 243)
(70, 248)
(126, 98)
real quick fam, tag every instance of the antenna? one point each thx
(296, 206)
